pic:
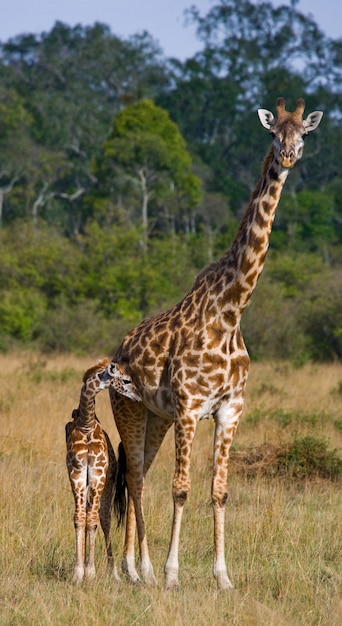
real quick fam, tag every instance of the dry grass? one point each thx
(283, 537)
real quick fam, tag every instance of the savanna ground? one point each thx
(283, 528)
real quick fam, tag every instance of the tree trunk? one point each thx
(144, 209)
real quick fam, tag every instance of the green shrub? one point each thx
(304, 458)
(309, 457)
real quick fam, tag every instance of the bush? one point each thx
(304, 458)
(309, 458)
(80, 329)
(21, 311)
(321, 314)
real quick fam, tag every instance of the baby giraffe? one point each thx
(92, 466)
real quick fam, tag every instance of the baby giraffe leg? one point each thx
(93, 520)
(80, 533)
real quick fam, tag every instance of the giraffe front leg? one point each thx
(93, 519)
(171, 567)
(226, 422)
(184, 434)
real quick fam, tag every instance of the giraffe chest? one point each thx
(195, 361)
(198, 379)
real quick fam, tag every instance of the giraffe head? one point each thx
(288, 130)
(115, 375)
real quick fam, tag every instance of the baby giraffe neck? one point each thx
(87, 415)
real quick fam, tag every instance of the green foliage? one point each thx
(309, 221)
(309, 457)
(147, 154)
(65, 296)
(295, 311)
(321, 313)
(80, 329)
(21, 312)
(13, 115)
(294, 272)
(305, 458)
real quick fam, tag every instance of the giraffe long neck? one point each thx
(240, 268)
(86, 415)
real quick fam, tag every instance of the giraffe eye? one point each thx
(272, 134)
(126, 381)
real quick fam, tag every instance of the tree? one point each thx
(15, 143)
(71, 81)
(146, 152)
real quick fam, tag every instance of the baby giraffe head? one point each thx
(289, 130)
(116, 376)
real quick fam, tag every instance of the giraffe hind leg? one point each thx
(79, 489)
(78, 572)
(128, 560)
(106, 510)
(226, 421)
(156, 429)
(184, 434)
(95, 489)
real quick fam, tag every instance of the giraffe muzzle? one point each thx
(287, 159)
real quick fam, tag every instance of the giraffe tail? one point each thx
(120, 497)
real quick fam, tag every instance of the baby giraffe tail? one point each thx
(120, 497)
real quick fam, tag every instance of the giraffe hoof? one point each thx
(77, 577)
(90, 573)
(172, 587)
(148, 576)
(150, 581)
(115, 576)
(223, 583)
(133, 580)
(171, 580)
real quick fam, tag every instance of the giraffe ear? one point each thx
(312, 121)
(266, 118)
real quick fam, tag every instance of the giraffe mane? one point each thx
(75, 413)
(99, 365)
(265, 166)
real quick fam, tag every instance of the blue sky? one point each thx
(163, 19)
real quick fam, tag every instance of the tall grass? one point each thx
(283, 534)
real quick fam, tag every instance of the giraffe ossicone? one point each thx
(191, 362)
(93, 469)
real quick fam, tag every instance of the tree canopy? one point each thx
(146, 151)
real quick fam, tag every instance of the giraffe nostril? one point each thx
(287, 154)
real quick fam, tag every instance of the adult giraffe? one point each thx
(190, 362)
